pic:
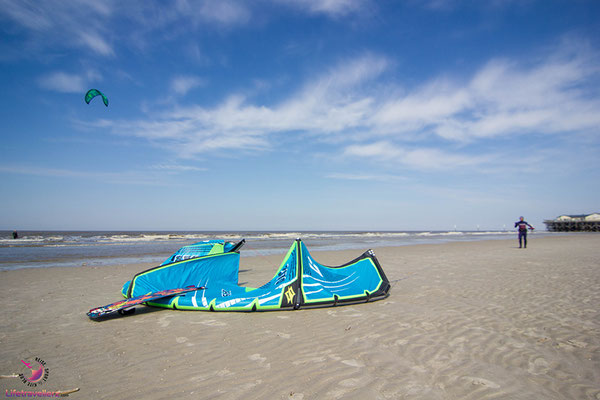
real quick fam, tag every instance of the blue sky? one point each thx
(298, 115)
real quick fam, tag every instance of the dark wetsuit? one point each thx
(522, 232)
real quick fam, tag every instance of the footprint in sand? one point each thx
(309, 360)
(224, 372)
(213, 322)
(404, 325)
(539, 366)
(428, 326)
(257, 357)
(261, 360)
(164, 322)
(353, 363)
(481, 382)
(350, 383)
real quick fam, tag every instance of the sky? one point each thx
(298, 115)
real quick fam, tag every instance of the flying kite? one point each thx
(93, 93)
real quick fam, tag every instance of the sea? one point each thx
(43, 249)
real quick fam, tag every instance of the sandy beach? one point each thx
(470, 320)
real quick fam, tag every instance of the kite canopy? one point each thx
(93, 93)
(205, 248)
(300, 282)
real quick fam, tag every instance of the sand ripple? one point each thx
(466, 321)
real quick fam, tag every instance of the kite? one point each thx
(211, 269)
(93, 93)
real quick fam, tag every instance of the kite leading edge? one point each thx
(93, 93)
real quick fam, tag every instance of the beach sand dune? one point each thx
(472, 320)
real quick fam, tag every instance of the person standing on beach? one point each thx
(522, 224)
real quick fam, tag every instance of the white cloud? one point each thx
(42, 171)
(96, 43)
(177, 168)
(502, 98)
(326, 105)
(29, 14)
(183, 16)
(183, 84)
(333, 8)
(95, 25)
(62, 82)
(346, 104)
(433, 102)
(159, 175)
(77, 23)
(383, 149)
(417, 158)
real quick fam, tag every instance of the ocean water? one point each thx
(94, 248)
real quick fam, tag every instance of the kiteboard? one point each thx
(122, 306)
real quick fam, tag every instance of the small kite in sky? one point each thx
(93, 93)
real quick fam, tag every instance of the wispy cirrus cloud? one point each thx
(502, 98)
(160, 174)
(183, 84)
(78, 23)
(96, 43)
(62, 82)
(177, 168)
(551, 95)
(422, 158)
(96, 25)
(100, 27)
(333, 8)
(67, 82)
(320, 106)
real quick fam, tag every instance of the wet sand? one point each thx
(471, 320)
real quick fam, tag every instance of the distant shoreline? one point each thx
(151, 248)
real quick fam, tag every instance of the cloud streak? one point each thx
(183, 84)
(551, 96)
(161, 174)
(62, 82)
(77, 23)
(101, 26)
(422, 158)
(323, 106)
(332, 8)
